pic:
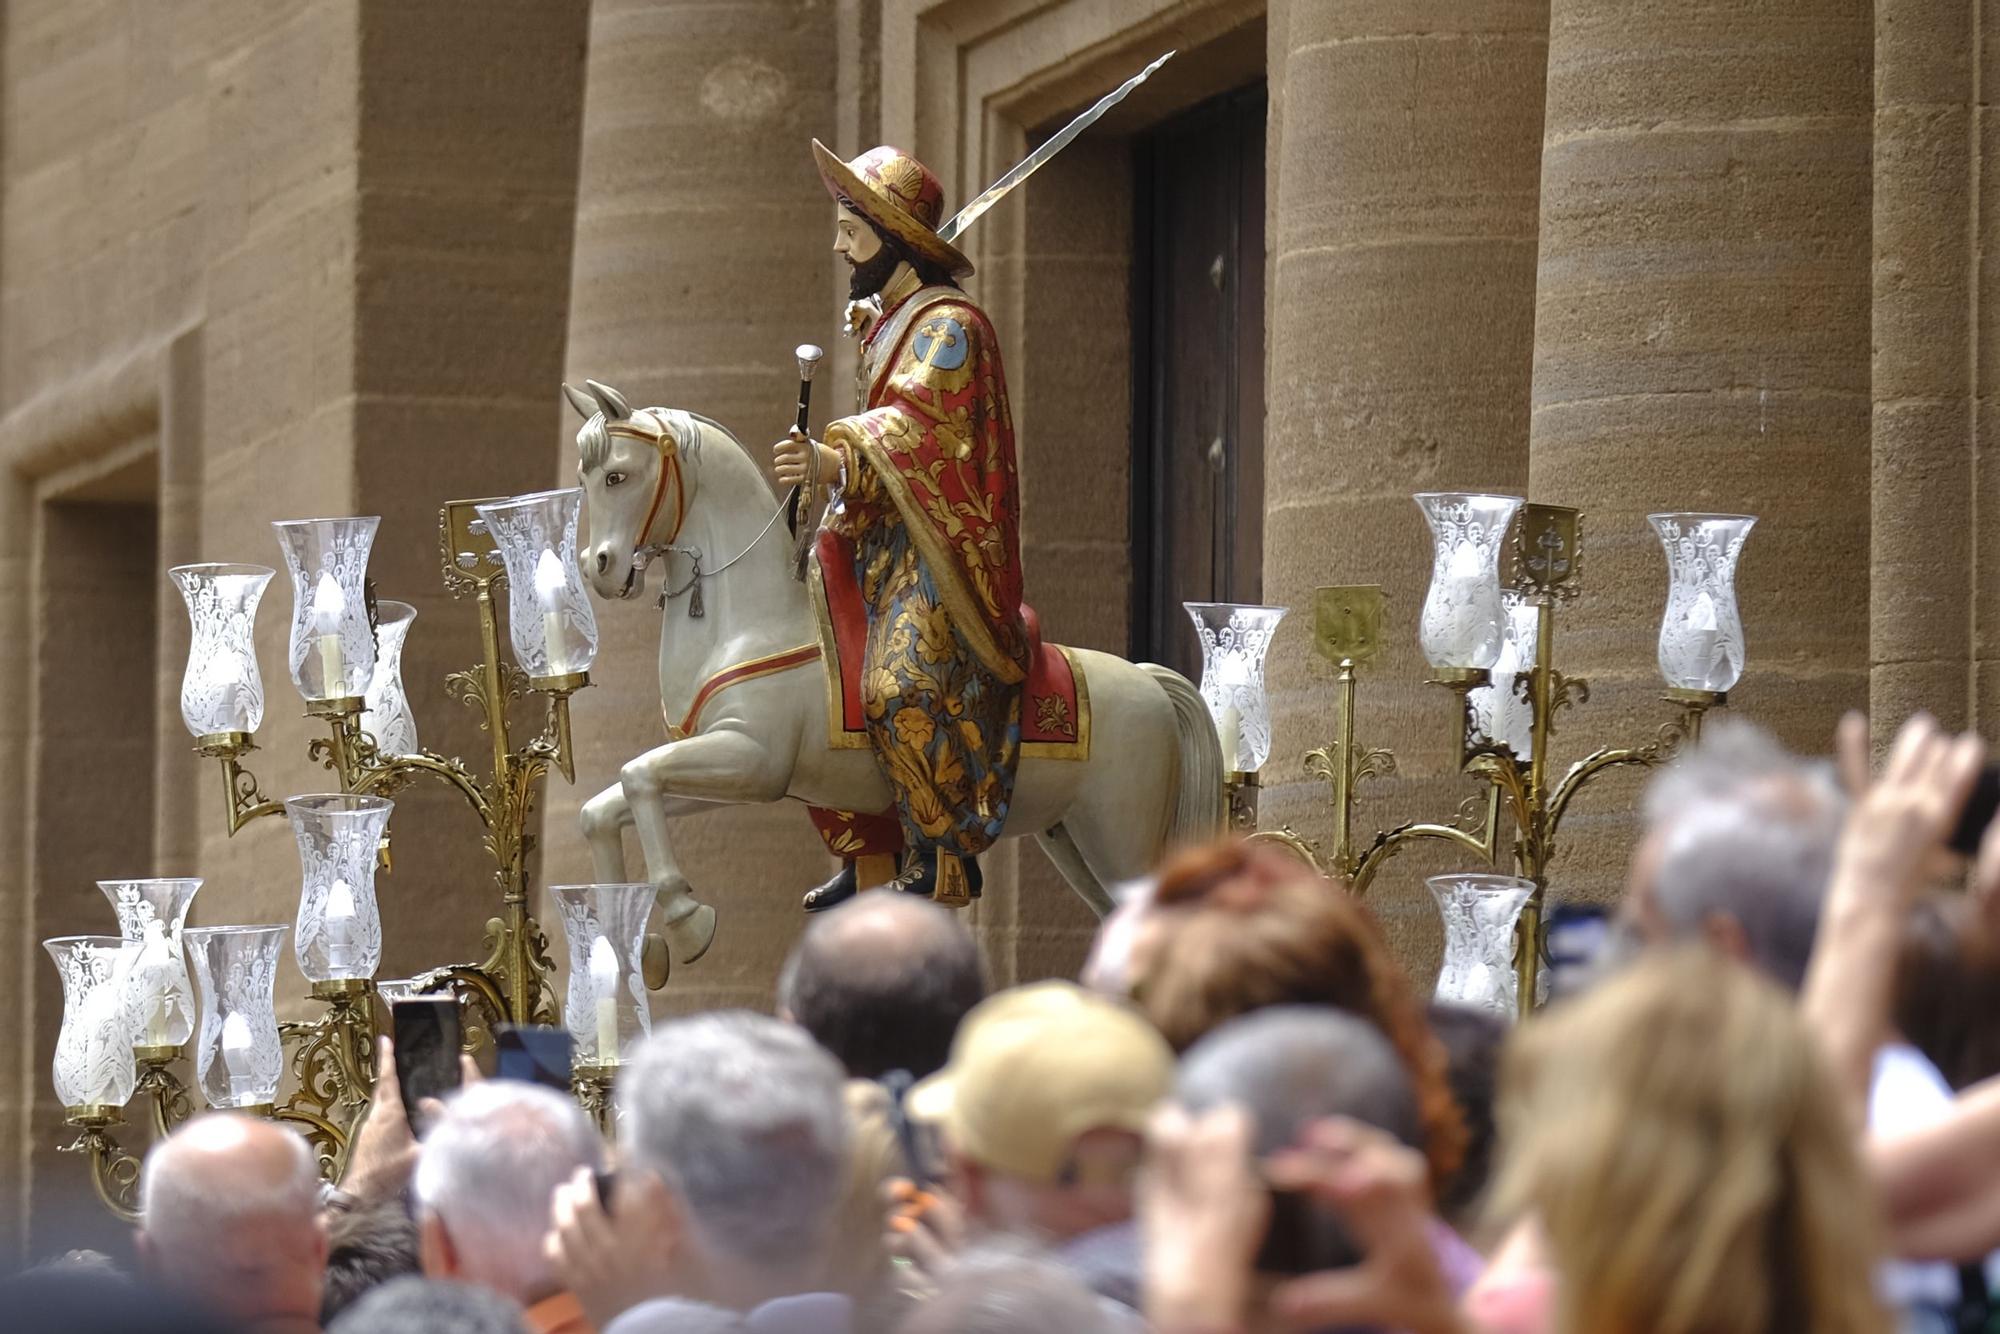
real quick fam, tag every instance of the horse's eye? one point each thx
(613, 478)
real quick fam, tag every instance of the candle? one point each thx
(550, 582)
(329, 605)
(604, 986)
(155, 978)
(105, 1025)
(1230, 730)
(339, 928)
(239, 1059)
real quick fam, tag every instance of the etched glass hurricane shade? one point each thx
(333, 648)
(221, 691)
(1701, 635)
(1462, 621)
(151, 914)
(385, 713)
(548, 614)
(1479, 913)
(339, 929)
(238, 1057)
(1234, 639)
(605, 1007)
(93, 1065)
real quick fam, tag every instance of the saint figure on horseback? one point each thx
(923, 515)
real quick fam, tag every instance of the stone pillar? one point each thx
(702, 258)
(1404, 146)
(1702, 343)
(1922, 534)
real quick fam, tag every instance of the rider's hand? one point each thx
(793, 456)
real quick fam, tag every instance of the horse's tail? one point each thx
(1198, 813)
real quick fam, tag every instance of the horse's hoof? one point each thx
(655, 964)
(690, 937)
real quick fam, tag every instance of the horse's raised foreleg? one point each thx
(720, 767)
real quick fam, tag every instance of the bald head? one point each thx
(882, 982)
(231, 1218)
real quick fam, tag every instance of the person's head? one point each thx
(741, 1117)
(1686, 1154)
(484, 1179)
(1004, 1293)
(1042, 1108)
(882, 982)
(1235, 927)
(1473, 1040)
(369, 1246)
(1291, 1065)
(230, 1217)
(874, 256)
(1738, 847)
(1948, 988)
(887, 210)
(426, 1306)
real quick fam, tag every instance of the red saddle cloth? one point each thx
(1055, 708)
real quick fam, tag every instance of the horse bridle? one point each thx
(668, 445)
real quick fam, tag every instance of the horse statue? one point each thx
(741, 668)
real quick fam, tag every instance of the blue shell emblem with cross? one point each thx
(940, 343)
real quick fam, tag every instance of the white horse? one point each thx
(664, 483)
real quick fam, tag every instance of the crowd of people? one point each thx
(1775, 1107)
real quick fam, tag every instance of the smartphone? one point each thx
(899, 1083)
(1303, 1237)
(534, 1054)
(606, 1181)
(427, 1039)
(1980, 808)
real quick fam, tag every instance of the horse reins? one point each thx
(668, 447)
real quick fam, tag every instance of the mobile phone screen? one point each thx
(427, 1045)
(1303, 1238)
(1980, 808)
(533, 1054)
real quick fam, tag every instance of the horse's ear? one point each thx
(586, 407)
(610, 399)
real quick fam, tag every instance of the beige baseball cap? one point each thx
(1035, 1068)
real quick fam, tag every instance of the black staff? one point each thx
(800, 503)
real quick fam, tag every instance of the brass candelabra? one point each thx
(332, 1057)
(1524, 797)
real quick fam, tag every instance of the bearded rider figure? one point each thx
(924, 504)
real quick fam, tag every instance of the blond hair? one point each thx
(1676, 1135)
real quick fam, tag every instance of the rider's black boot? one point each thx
(840, 889)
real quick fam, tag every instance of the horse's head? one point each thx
(637, 470)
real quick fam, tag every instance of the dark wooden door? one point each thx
(1198, 381)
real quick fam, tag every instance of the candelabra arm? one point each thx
(114, 1173)
(329, 1141)
(1387, 844)
(384, 774)
(1666, 743)
(166, 1096)
(242, 800)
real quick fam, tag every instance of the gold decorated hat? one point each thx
(898, 194)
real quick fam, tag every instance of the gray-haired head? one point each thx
(428, 1305)
(487, 1171)
(1291, 1065)
(1741, 828)
(997, 1290)
(231, 1218)
(742, 1116)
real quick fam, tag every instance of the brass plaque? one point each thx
(1548, 542)
(470, 555)
(1347, 621)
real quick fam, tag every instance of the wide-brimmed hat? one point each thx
(898, 194)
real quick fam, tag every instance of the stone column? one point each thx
(1702, 343)
(1404, 145)
(702, 258)
(1922, 533)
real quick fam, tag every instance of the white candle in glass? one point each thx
(549, 584)
(338, 926)
(156, 971)
(604, 987)
(1230, 729)
(329, 604)
(239, 1057)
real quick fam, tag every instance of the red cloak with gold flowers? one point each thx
(937, 442)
